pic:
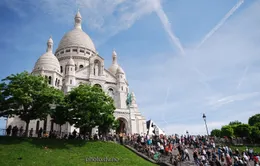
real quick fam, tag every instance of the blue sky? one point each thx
(156, 41)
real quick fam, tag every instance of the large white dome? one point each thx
(76, 38)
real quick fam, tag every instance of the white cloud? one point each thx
(229, 99)
(167, 25)
(107, 17)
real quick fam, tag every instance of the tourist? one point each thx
(40, 133)
(186, 154)
(21, 131)
(31, 132)
(14, 131)
(228, 160)
(8, 130)
(196, 157)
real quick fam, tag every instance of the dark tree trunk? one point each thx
(27, 128)
(90, 132)
(85, 131)
(60, 129)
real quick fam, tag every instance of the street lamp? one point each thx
(187, 133)
(204, 117)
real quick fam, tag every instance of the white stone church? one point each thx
(76, 62)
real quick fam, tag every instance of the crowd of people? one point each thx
(199, 150)
(174, 149)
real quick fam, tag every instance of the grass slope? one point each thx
(243, 148)
(27, 152)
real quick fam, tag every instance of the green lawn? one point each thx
(27, 152)
(242, 148)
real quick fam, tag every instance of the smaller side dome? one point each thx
(48, 61)
(71, 62)
(113, 69)
(120, 70)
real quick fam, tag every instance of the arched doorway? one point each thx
(122, 128)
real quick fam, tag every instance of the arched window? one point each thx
(61, 69)
(70, 81)
(49, 79)
(76, 67)
(111, 92)
(98, 85)
(80, 66)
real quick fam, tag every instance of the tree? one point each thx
(2, 100)
(254, 119)
(234, 123)
(257, 125)
(227, 131)
(89, 107)
(107, 123)
(255, 134)
(29, 97)
(216, 133)
(60, 115)
(242, 130)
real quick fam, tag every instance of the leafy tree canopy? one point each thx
(28, 96)
(2, 100)
(216, 132)
(227, 131)
(255, 134)
(90, 106)
(257, 125)
(254, 119)
(242, 130)
(233, 123)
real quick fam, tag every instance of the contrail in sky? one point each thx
(167, 26)
(203, 76)
(243, 77)
(174, 39)
(224, 19)
(165, 103)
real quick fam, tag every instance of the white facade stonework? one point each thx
(76, 62)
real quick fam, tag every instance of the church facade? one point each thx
(76, 62)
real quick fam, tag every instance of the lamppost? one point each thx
(204, 117)
(187, 133)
